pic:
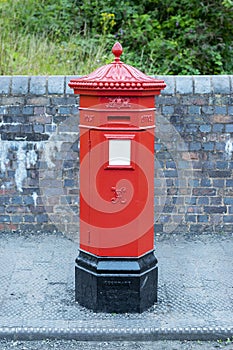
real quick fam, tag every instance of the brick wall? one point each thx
(39, 154)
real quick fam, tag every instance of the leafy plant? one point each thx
(158, 36)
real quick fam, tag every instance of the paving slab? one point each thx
(195, 294)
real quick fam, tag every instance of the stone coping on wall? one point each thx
(58, 85)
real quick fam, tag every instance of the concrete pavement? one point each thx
(37, 292)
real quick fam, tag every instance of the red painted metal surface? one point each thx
(117, 120)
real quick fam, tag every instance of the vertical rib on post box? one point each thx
(116, 269)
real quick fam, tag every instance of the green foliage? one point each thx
(158, 36)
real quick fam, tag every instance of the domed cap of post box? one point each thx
(117, 77)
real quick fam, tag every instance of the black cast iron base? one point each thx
(116, 284)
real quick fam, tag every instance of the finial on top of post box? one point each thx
(117, 51)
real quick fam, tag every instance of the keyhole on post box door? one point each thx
(119, 195)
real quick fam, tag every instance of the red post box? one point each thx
(116, 269)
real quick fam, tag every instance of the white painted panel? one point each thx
(119, 152)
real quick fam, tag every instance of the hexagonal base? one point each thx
(116, 284)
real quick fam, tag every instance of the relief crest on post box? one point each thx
(118, 102)
(147, 118)
(89, 118)
(119, 195)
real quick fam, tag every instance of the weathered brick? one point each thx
(4, 199)
(191, 218)
(220, 173)
(204, 191)
(218, 127)
(26, 129)
(15, 128)
(170, 164)
(17, 200)
(62, 101)
(37, 100)
(16, 219)
(168, 100)
(75, 191)
(208, 110)
(9, 227)
(158, 147)
(229, 127)
(220, 146)
(38, 128)
(203, 200)
(222, 164)
(164, 218)
(12, 100)
(228, 218)
(200, 228)
(69, 182)
(40, 119)
(170, 173)
(228, 200)
(54, 191)
(218, 183)
(208, 146)
(3, 110)
(180, 110)
(28, 110)
(29, 218)
(168, 209)
(222, 110)
(230, 110)
(205, 182)
(66, 110)
(167, 110)
(42, 218)
(202, 218)
(50, 128)
(205, 128)
(229, 183)
(220, 119)
(195, 146)
(216, 200)
(15, 110)
(194, 110)
(4, 218)
(28, 200)
(215, 210)
(15, 119)
(195, 100)
(30, 227)
(230, 209)
(66, 200)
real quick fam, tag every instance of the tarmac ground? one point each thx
(37, 306)
(77, 345)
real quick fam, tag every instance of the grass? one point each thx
(36, 55)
